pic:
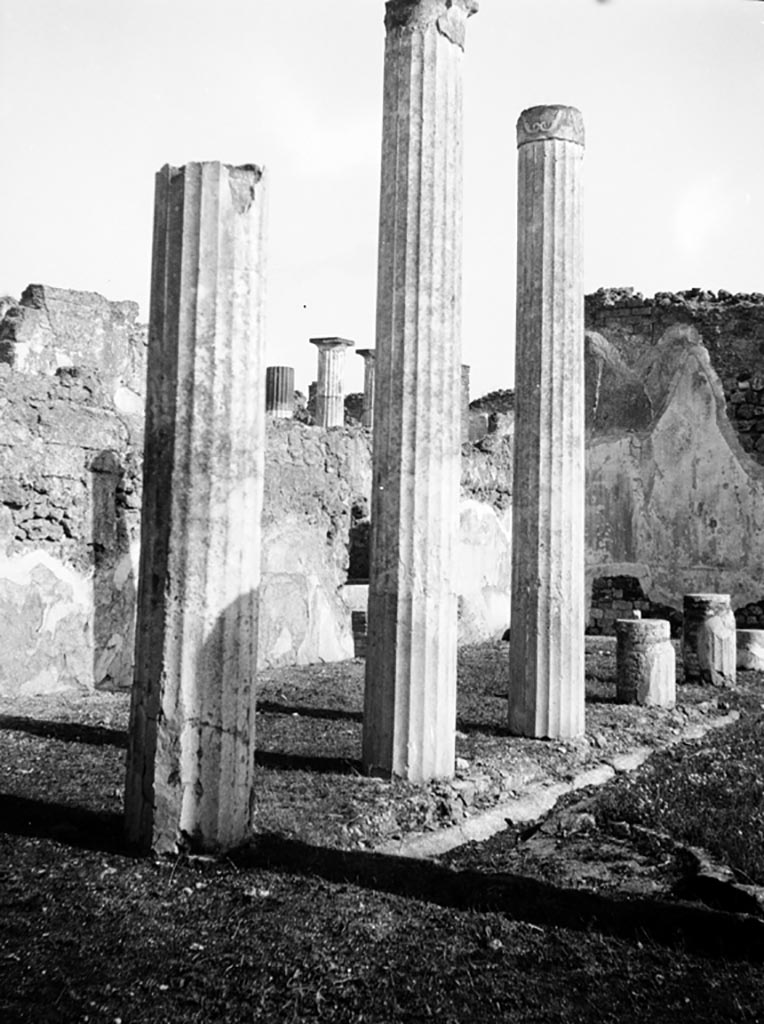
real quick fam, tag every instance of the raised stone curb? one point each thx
(537, 799)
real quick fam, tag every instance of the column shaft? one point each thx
(330, 389)
(546, 695)
(410, 705)
(279, 392)
(191, 745)
(368, 354)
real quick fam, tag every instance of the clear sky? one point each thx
(96, 95)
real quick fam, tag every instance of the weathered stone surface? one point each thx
(709, 639)
(330, 387)
(312, 478)
(483, 568)
(54, 327)
(750, 649)
(279, 392)
(69, 518)
(732, 329)
(677, 505)
(191, 746)
(410, 704)
(645, 663)
(546, 685)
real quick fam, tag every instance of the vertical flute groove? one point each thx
(546, 653)
(410, 708)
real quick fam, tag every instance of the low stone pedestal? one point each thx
(645, 663)
(750, 649)
(709, 640)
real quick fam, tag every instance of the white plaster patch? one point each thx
(128, 401)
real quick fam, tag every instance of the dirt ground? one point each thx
(566, 919)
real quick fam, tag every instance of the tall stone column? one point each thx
(279, 392)
(546, 692)
(330, 394)
(410, 704)
(191, 745)
(367, 355)
(465, 404)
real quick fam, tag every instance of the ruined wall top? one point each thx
(538, 124)
(449, 16)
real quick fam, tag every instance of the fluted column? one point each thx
(191, 744)
(367, 418)
(279, 392)
(645, 663)
(410, 705)
(709, 639)
(465, 404)
(546, 692)
(330, 392)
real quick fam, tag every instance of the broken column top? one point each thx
(331, 342)
(449, 15)
(538, 124)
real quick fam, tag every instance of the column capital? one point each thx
(331, 342)
(366, 353)
(450, 16)
(539, 124)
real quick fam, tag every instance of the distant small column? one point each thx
(645, 663)
(709, 642)
(750, 649)
(410, 699)
(190, 768)
(330, 393)
(279, 392)
(465, 403)
(367, 355)
(546, 686)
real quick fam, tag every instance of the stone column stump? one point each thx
(645, 663)
(750, 649)
(546, 655)
(191, 746)
(709, 642)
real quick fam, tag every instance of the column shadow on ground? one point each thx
(68, 732)
(63, 823)
(692, 928)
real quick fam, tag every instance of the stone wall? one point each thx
(730, 326)
(69, 525)
(674, 502)
(673, 499)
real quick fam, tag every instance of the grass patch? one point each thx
(708, 794)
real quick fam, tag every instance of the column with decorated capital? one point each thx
(410, 704)
(546, 688)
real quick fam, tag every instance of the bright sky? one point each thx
(96, 95)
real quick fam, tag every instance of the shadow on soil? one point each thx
(693, 929)
(690, 928)
(273, 707)
(68, 732)
(63, 823)
(306, 763)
